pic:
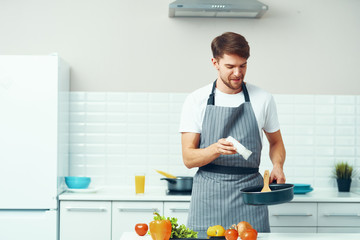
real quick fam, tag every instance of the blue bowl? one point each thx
(77, 182)
(301, 186)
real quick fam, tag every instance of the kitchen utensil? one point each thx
(168, 175)
(280, 193)
(180, 183)
(266, 182)
(77, 182)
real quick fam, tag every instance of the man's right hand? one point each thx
(197, 157)
(224, 147)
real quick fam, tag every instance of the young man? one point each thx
(229, 107)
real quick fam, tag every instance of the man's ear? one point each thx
(215, 63)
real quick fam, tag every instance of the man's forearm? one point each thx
(200, 156)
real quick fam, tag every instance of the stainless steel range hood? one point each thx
(217, 8)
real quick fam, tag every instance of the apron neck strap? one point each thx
(246, 94)
(211, 99)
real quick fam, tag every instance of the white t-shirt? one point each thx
(262, 102)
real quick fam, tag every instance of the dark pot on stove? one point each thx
(180, 183)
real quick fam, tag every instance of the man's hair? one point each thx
(230, 43)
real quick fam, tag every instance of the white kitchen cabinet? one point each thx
(293, 229)
(179, 210)
(126, 214)
(90, 220)
(342, 217)
(338, 230)
(293, 217)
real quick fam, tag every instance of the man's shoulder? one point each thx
(258, 92)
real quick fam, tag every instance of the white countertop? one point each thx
(273, 236)
(159, 194)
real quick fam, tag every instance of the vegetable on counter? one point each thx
(216, 231)
(241, 227)
(176, 231)
(231, 234)
(160, 228)
(250, 234)
(141, 229)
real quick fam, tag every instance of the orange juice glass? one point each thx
(139, 183)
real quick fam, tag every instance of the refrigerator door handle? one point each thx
(86, 209)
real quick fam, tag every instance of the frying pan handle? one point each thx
(170, 180)
(273, 182)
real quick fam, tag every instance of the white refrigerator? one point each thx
(34, 133)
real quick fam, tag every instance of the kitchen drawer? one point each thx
(293, 214)
(90, 220)
(179, 210)
(338, 230)
(293, 229)
(339, 214)
(126, 214)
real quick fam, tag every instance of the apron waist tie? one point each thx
(228, 169)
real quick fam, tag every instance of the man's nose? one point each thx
(237, 72)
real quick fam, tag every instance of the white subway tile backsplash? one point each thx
(301, 108)
(344, 131)
(304, 99)
(345, 109)
(77, 97)
(324, 151)
(345, 100)
(324, 99)
(95, 96)
(116, 128)
(95, 127)
(324, 109)
(138, 97)
(95, 117)
(345, 141)
(324, 140)
(284, 99)
(78, 107)
(137, 107)
(324, 130)
(285, 108)
(76, 117)
(117, 107)
(324, 120)
(304, 120)
(114, 97)
(114, 135)
(345, 151)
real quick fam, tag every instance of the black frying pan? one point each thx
(280, 193)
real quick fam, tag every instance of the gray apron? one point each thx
(216, 197)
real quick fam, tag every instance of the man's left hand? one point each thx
(277, 174)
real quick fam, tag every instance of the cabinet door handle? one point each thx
(342, 215)
(179, 209)
(86, 209)
(138, 209)
(293, 215)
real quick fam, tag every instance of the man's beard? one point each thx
(228, 84)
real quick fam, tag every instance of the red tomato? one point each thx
(250, 234)
(231, 234)
(141, 229)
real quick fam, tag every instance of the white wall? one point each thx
(298, 47)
